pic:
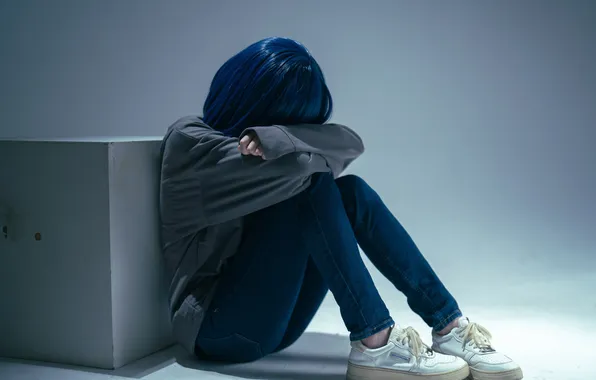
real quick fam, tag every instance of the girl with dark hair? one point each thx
(257, 225)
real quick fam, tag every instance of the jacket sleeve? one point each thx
(207, 181)
(338, 144)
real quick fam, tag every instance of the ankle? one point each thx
(448, 328)
(377, 340)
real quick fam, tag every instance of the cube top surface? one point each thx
(90, 139)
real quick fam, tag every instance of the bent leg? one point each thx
(259, 306)
(257, 289)
(390, 248)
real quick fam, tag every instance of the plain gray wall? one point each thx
(479, 117)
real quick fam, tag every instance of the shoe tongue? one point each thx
(463, 322)
(398, 330)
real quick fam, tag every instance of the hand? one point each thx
(250, 145)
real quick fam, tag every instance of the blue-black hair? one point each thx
(275, 81)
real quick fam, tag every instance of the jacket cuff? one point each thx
(275, 142)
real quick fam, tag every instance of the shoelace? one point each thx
(411, 338)
(478, 335)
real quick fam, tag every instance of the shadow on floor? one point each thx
(315, 356)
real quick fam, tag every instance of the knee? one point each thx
(353, 188)
(351, 181)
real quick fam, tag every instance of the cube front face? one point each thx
(55, 289)
(81, 280)
(140, 316)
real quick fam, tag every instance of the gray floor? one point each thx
(546, 324)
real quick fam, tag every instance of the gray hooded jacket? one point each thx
(207, 187)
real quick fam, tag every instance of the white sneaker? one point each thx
(405, 357)
(471, 342)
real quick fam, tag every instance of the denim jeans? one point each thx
(294, 252)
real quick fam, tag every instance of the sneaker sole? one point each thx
(358, 372)
(514, 374)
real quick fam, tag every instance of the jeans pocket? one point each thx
(233, 348)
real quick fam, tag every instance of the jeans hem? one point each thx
(444, 322)
(370, 331)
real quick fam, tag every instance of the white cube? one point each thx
(81, 273)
